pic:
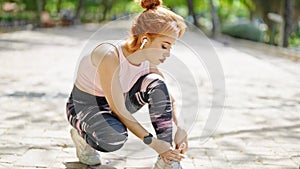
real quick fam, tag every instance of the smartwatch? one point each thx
(148, 139)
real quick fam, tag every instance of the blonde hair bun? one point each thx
(150, 4)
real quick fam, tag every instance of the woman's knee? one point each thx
(108, 142)
(107, 134)
(152, 80)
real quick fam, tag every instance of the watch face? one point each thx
(148, 140)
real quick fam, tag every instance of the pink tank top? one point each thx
(88, 77)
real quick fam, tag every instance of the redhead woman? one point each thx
(116, 80)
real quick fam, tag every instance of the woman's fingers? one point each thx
(172, 155)
(176, 151)
(183, 156)
(166, 161)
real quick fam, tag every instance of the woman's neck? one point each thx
(134, 58)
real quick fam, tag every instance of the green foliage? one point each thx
(133, 7)
(244, 31)
(179, 6)
(295, 38)
(16, 1)
(51, 6)
(30, 5)
(294, 41)
(182, 11)
(69, 4)
(18, 16)
(201, 6)
(230, 10)
(249, 4)
(126, 7)
(6, 17)
(174, 3)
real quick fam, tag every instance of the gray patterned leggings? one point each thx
(97, 124)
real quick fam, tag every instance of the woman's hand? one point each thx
(180, 138)
(171, 155)
(165, 151)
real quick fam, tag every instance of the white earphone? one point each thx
(143, 43)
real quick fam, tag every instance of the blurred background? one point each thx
(275, 22)
(257, 43)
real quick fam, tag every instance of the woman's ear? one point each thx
(144, 41)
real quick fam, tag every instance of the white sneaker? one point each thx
(160, 164)
(85, 153)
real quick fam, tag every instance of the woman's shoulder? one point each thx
(105, 48)
(106, 51)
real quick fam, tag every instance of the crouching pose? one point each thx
(116, 80)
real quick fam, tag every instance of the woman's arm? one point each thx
(181, 134)
(154, 69)
(108, 70)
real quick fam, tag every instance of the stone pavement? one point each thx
(260, 125)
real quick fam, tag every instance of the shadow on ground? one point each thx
(78, 165)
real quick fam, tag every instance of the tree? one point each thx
(288, 21)
(192, 11)
(215, 19)
(78, 11)
(251, 8)
(30, 5)
(58, 6)
(263, 8)
(107, 4)
(40, 4)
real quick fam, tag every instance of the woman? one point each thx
(116, 80)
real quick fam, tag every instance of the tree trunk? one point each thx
(288, 21)
(40, 5)
(192, 12)
(58, 6)
(215, 19)
(78, 12)
(44, 5)
(264, 7)
(108, 4)
(251, 11)
(104, 13)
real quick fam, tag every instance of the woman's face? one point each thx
(159, 49)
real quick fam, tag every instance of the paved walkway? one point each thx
(260, 126)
